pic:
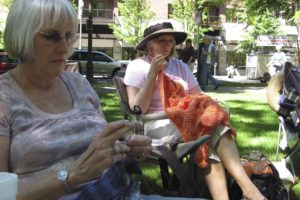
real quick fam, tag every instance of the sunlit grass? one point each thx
(151, 179)
(110, 108)
(255, 123)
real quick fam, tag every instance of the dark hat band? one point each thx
(160, 29)
(157, 27)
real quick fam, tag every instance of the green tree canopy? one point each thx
(185, 12)
(284, 8)
(191, 13)
(263, 24)
(134, 16)
(6, 3)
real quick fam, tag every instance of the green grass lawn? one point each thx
(255, 123)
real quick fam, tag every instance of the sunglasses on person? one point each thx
(54, 37)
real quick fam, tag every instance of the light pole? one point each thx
(198, 20)
(80, 6)
(89, 24)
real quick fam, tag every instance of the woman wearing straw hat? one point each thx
(158, 46)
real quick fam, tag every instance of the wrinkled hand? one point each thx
(140, 147)
(158, 63)
(103, 151)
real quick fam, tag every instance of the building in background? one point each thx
(227, 29)
(3, 15)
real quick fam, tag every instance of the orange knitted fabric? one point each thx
(194, 115)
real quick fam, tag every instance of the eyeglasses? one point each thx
(55, 37)
(166, 41)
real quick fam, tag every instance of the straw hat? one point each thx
(160, 29)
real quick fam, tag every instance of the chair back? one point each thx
(121, 91)
(291, 77)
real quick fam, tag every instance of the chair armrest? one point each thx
(154, 116)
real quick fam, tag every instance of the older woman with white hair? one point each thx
(277, 61)
(53, 134)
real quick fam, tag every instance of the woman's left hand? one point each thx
(140, 147)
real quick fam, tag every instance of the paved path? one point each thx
(222, 89)
(240, 79)
(235, 79)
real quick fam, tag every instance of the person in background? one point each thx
(187, 54)
(208, 60)
(141, 75)
(53, 133)
(276, 61)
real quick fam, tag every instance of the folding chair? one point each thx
(289, 113)
(282, 142)
(165, 155)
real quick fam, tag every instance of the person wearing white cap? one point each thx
(277, 61)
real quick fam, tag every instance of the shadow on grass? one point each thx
(252, 118)
(110, 106)
(242, 84)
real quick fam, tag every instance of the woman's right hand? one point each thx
(158, 63)
(101, 153)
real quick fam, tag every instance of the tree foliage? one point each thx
(134, 17)
(185, 12)
(284, 8)
(74, 3)
(191, 13)
(6, 3)
(263, 16)
(263, 24)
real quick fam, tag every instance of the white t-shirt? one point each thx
(278, 58)
(136, 74)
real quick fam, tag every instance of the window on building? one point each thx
(234, 15)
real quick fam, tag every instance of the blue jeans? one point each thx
(205, 75)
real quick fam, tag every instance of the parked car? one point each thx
(103, 65)
(124, 64)
(6, 62)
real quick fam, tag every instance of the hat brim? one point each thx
(179, 37)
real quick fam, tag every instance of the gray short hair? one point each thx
(26, 18)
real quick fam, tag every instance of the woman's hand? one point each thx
(103, 151)
(158, 63)
(140, 147)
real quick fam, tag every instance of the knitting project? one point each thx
(194, 115)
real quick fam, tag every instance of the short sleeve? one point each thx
(4, 125)
(136, 72)
(5, 101)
